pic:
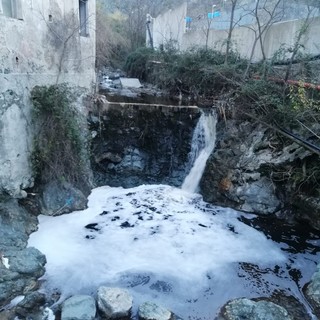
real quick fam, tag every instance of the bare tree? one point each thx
(231, 27)
(297, 44)
(265, 13)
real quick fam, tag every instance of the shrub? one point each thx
(137, 63)
(57, 153)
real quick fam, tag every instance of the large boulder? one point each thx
(312, 291)
(60, 198)
(79, 308)
(151, 311)
(254, 310)
(114, 303)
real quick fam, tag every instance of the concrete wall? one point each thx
(43, 47)
(169, 27)
(282, 33)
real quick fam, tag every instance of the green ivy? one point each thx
(57, 151)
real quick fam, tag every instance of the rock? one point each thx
(29, 261)
(242, 171)
(114, 303)
(151, 311)
(308, 209)
(25, 267)
(30, 304)
(60, 198)
(20, 267)
(15, 225)
(115, 158)
(258, 196)
(312, 291)
(254, 310)
(133, 160)
(78, 308)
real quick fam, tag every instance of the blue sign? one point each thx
(215, 14)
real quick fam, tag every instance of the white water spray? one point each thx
(203, 143)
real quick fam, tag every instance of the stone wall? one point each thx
(138, 144)
(40, 46)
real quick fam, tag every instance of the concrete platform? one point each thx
(130, 83)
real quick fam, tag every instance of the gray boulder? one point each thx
(254, 310)
(312, 291)
(258, 196)
(60, 198)
(78, 308)
(30, 304)
(20, 267)
(151, 311)
(15, 226)
(114, 303)
(308, 209)
(19, 271)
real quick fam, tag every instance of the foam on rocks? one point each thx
(80, 307)
(114, 303)
(151, 311)
(254, 310)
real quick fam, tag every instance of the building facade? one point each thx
(42, 42)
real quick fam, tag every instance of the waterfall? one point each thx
(203, 143)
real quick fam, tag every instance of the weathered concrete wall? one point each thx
(279, 34)
(282, 33)
(169, 27)
(43, 47)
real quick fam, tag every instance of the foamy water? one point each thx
(163, 243)
(168, 246)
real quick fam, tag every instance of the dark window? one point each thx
(83, 17)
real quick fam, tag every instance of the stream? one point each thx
(167, 245)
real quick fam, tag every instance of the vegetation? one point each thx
(202, 74)
(121, 27)
(199, 72)
(57, 153)
(112, 44)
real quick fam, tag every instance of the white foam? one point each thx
(170, 235)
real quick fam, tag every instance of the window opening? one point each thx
(83, 17)
(11, 8)
(7, 8)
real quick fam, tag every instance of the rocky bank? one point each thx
(255, 170)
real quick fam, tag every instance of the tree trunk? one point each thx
(231, 26)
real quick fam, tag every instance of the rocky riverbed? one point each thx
(152, 146)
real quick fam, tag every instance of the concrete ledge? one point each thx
(106, 105)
